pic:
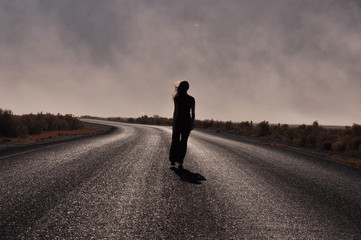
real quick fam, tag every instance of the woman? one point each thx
(183, 120)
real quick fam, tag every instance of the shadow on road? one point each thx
(188, 176)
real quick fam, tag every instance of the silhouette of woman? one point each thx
(183, 120)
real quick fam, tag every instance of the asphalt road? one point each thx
(120, 186)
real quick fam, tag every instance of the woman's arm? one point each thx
(175, 113)
(193, 111)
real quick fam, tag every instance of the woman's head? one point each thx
(182, 88)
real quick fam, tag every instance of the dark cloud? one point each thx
(283, 61)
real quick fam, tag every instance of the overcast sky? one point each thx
(287, 61)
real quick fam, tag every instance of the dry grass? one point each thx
(351, 162)
(88, 129)
(278, 145)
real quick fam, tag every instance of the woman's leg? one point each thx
(183, 145)
(174, 148)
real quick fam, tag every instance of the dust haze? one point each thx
(284, 61)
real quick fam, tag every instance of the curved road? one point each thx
(121, 186)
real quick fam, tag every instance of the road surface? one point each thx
(120, 186)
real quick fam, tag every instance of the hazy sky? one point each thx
(288, 61)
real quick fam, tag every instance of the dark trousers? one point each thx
(178, 147)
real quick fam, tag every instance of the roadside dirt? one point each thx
(54, 136)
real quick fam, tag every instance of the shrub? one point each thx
(8, 123)
(326, 146)
(19, 126)
(311, 140)
(263, 129)
(353, 143)
(73, 123)
(207, 123)
(356, 129)
(35, 123)
(131, 120)
(339, 146)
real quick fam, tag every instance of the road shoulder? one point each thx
(287, 146)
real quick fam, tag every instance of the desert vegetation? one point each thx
(343, 140)
(12, 125)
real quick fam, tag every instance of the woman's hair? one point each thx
(181, 88)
